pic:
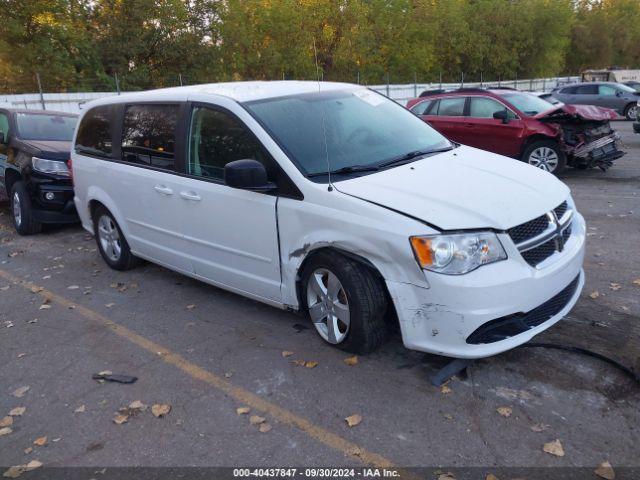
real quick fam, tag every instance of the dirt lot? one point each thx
(207, 352)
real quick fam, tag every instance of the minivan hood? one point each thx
(464, 188)
(581, 112)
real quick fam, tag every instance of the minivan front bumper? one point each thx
(494, 308)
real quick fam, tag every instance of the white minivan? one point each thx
(331, 199)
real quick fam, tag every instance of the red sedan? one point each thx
(524, 126)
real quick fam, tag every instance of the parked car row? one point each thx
(331, 200)
(524, 126)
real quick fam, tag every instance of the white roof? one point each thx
(238, 91)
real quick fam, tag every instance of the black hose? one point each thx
(623, 368)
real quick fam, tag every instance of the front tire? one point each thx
(546, 155)
(111, 242)
(631, 111)
(22, 212)
(346, 302)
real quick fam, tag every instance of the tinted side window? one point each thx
(149, 135)
(451, 107)
(4, 125)
(607, 90)
(587, 90)
(568, 90)
(95, 132)
(481, 107)
(421, 108)
(216, 139)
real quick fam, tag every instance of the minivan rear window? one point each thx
(95, 132)
(149, 135)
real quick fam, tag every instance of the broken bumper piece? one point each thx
(494, 308)
(600, 153)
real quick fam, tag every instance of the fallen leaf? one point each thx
(256, 420)
(8, 324)
(228, 375)
(105, 372)
(80, 409)
(446, 476)
(19, 392)
(5, 431)
(605, 470)
(28, 450)
(160, 409)
(298, 363)
(636, 281)
(191, 307)
(40, 441)
(264, 427)
(286, 353)
(448, 416)
(615, 286)
(119, 419)
(33, 464)
(73, 287)
(311, 364)
(138, 405)
(17, 412)
(15, 471)
(35, 289)
(353, 420)
(505, 411)
(242, 410)
(445, 390)
(44, 306)
(5, 288)
(6, 422)
(109, 305)
(491, 476)
(595, 294)
(55, 440)
(554, 448)
(351, 360)
(20, 355)
(539, 427)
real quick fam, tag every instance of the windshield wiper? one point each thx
(348, 169)
(412, 155)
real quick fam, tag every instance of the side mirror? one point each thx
(501, 115)
(247, 175)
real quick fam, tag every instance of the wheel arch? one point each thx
(11, 176)
(98, 197)
(391, 312)
(536, 137)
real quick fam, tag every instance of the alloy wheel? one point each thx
(632, 112)
(17, 210)
(109, 238)
(328, 306)
(544, 158)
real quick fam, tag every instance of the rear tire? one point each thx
(347, 298)
(111, 242)
(22, 212)
(631, 111)
(546, 155)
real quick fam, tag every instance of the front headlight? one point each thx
(457, 253)
(53, 167)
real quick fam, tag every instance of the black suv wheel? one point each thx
(21, 211)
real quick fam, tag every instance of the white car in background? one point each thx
(330, 199)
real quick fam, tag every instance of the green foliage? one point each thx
(86, 44)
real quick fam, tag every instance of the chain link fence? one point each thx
(72, 101)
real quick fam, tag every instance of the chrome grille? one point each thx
(540, 238)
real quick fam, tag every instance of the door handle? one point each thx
(164, 190)
(194, 197)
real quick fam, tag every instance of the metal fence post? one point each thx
(180, 77)
(461, 79)
(387, 84)
(115, 76)
(415, 84)
(440, 87)
(544, 84)
(358, 77)
(40, 90)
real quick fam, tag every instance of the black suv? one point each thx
(34, 150)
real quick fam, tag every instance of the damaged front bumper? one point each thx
(600, 153)
(494, 308)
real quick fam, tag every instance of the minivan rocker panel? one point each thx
(272, 246)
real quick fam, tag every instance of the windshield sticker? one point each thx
(368, 96)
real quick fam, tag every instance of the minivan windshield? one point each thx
(363, 130)
(46, 127)
(528, 103)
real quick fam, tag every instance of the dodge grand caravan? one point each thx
(331, 200)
